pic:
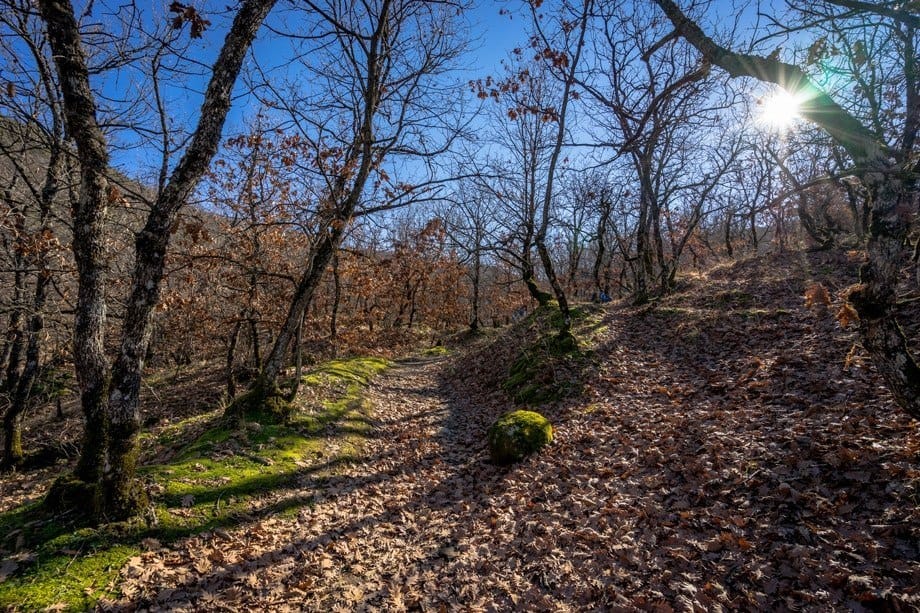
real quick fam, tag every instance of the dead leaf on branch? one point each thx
(187, 13)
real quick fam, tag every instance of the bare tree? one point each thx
(105, 474)
(470, 220)
(654, 96)
(31, 137)
(563, 50)
(515, 173)
(884, 161)
(375, 96)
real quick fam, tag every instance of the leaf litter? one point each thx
(723, 455)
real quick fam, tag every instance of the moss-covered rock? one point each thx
(518, 434)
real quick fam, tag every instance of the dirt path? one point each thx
(386, 534)
(721, 456)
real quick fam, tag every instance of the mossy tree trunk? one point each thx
(89, 216)
(110, 398)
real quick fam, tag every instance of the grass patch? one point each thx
(224, 477)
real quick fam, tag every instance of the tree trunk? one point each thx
(343, 200)
(123, 495)
(600, 235)
(298, 360)
(15, 334)
(474, 315)
(12, 420)
(336, 299)
(875, 298)
(231, 359)
(303, 294)
(643, 256)
(254, 345)
(530, 282)
(727, 238)
(540, 238)
(109, 455)
(89, 215)
(664, 279)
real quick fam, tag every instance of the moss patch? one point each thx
(517, 434)
(347, 371)
(437, 350)
(223, 477)
(261, 405)
(549, 368)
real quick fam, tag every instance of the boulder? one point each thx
(518, 434)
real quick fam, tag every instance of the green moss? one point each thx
(518, 434)
(437, 350)
(549, 314)
(68, 493)
(223, 477)
(14, 456)
(261, 405)
(72, 579)
(352, 370)
(534, 377)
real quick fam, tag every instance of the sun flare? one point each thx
(779, 110)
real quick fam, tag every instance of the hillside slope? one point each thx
(723, 449)
(732, 447)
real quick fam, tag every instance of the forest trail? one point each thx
(721, 454)
(384, 533)
(728, 448)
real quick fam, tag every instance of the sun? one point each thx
(779, 110)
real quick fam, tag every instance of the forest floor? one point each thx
(725, 448)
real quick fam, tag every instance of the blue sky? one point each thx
(492, 35)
